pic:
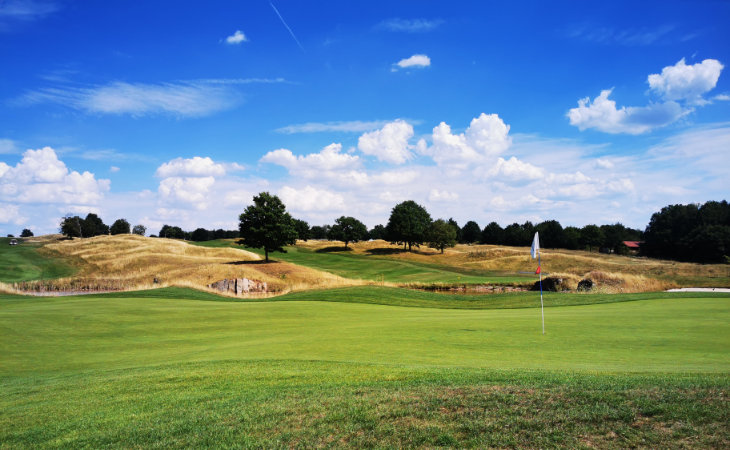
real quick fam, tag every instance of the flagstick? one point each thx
(542, 309)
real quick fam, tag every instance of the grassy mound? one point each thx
(26, 261)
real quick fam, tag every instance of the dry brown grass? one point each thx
(130, 262)
(613, 273)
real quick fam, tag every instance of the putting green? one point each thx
(77, 334)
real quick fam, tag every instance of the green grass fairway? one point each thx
(23, 263)
(381, 268)
(157, 369)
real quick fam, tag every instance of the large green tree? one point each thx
(303, 230)
(70, 226)
(267, 225)
(441, 234)
(471, 233)
(348, 229)
(408, 224)
(120, 226)
(92, 225)
(493, 234)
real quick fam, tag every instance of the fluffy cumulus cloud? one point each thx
(195, 166)
(486, 137)
(680, 87)
(187, 190)
(236, 38)
(389, 144)
(602, 114)
(683, 82)
(311, 199)
(40, 177)
(313, 165)
(188, 181)
(414, 62)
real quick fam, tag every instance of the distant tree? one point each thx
(139, 229)
(441, 234)
(708, 244)
(92, 225)
(70, 226)
(493, 234)
(200, 235)
(378, 232)
(120, 226)
(171, 232)
(26, 233)
(408, 224)
(457, 228)
(551, 234)
(348, 229)
(571, 236)
(319, 232)
(667, 229)
(11, 235)
(302, 228)
(471, 232)
(591, 236)
(267, 225)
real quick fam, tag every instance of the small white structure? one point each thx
(13, 242)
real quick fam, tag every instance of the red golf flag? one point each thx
(537, 272)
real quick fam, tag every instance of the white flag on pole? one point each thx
(535, 246)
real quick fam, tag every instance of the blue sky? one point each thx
(180, 112)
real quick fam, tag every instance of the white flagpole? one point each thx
(535, 253)
(542, 308)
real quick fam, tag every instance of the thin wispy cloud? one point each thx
(287, 26)
(353, 126)
(181, 98)
(26, 9)
(8, 146)
(409, 25)
(627, 37)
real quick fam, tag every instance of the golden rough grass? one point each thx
(614, 273)
(131, 262)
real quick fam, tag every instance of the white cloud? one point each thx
(603, 163)
(515, 169)
(689, 83)
(410, 25)
(415, 61)
(389, 144)
(40, 177)
(353, 126)
(628, 37)
(196, 167)
(10, 213)
(194, 98)
(329, 159)
(677, 83)
(442, 196)
(486, 137)
(189, 190)
(722, 97)
(311, 199)
(236, 38)
(603, 115)
(7, 146)
(114, 169)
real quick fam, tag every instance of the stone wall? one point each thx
(239, 286)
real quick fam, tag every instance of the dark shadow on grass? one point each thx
(258, 261)
(333, 249)
(384, 251)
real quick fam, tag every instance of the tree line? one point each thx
(699, 233)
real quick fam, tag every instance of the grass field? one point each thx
(24, 262)
(352, 365)
(176, 368)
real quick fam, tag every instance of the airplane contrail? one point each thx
(287, 26)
